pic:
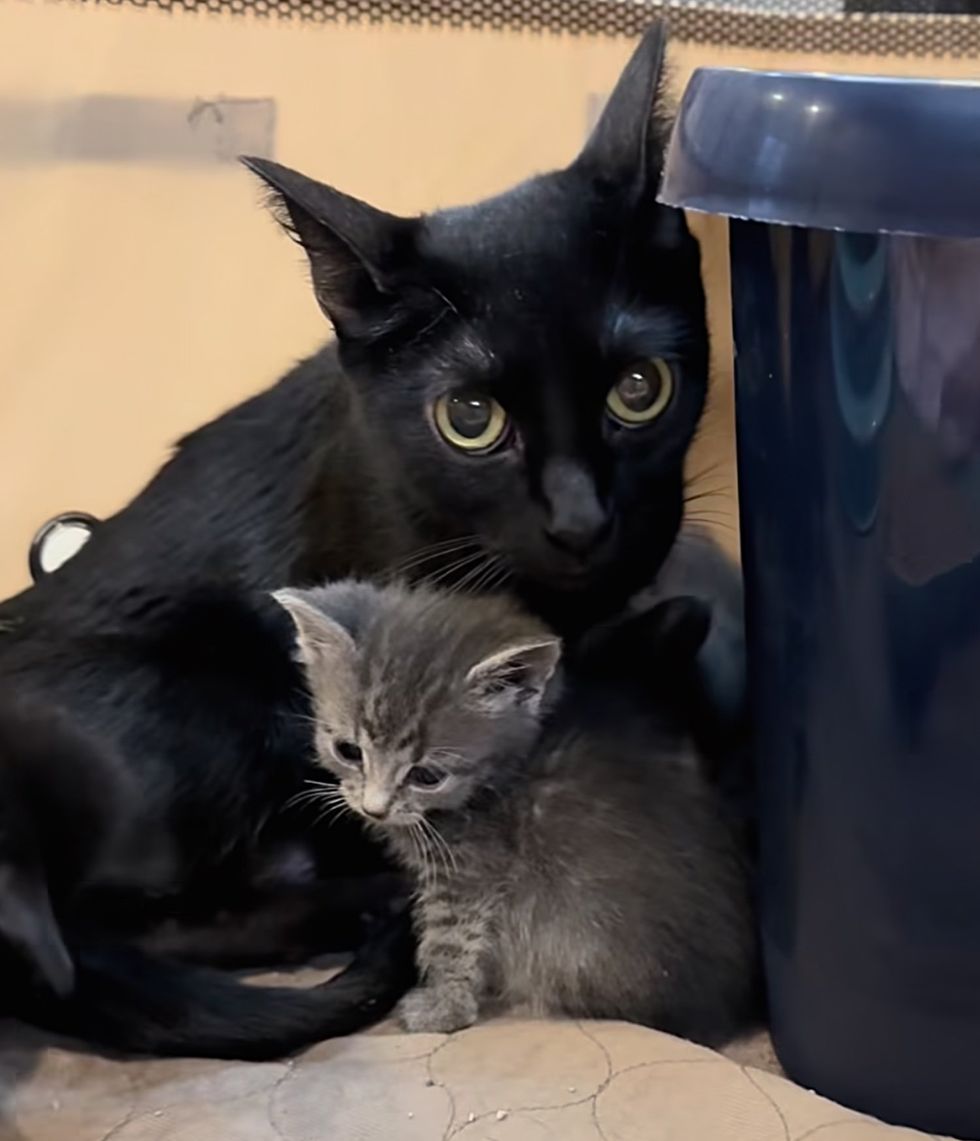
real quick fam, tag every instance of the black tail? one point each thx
(125, 1000)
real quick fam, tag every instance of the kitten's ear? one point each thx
(29, 927)
(515, 676)
(626, 145)
(321, 642)
(352, 247)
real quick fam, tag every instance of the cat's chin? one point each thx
(573, 579)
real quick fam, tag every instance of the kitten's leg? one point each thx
(454, 948)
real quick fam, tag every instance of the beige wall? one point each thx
(138, 300)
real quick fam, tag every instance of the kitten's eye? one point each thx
(348, 751)
(423, 776)
(641, 393)
(470, 421)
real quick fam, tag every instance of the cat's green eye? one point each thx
(470, 421)
(424, 776)
(641, 393)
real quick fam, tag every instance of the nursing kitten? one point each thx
(570, 856)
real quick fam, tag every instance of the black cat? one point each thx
(511, 395)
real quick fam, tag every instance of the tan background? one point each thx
(137, 300)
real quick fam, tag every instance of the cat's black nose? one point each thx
(577, 520)
(578, 540)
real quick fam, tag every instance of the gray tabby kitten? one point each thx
(569, 856)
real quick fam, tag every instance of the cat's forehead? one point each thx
(510, 247)
(418, 649)
(538, 274)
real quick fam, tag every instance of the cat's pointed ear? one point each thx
(514, 676)
(352, 247)
(29, 927)
(321, 641)
(626, 145)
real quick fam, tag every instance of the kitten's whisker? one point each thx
(421, 848)
(319, 789)
(323, 796)
(305, 718)
(440, 846)
(332, 811)
(322, 802)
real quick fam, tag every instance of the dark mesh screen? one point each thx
(892, 27)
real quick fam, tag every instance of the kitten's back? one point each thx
(633, 897)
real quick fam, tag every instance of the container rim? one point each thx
(829, 150)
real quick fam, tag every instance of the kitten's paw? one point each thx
(438, 1010)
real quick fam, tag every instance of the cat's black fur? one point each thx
(151, 638)
(65, 803)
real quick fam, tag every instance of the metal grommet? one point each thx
(59, 540)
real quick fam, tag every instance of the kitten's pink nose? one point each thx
(375, 803)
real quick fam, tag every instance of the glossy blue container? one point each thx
(855, 207)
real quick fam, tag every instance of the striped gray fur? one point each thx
(569, 857)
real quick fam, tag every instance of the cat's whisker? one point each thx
(421, 847)
(441, 846)
(458, 564)
(440, 574)
(425, 826)
(428, 554)
(333, 810)
(496, 579)
(319, 790)
(478, 581)
(321, 802)
(305, 718)
(472, 579)
(320, 794)
(440, 545)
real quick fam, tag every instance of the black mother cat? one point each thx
(511, 395)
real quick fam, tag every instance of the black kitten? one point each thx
(63, 798)
(60, 796)
(512, 394)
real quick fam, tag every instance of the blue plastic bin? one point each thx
(855, 207)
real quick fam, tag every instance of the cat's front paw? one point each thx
(438, 1009)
